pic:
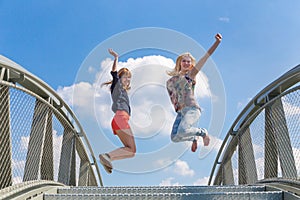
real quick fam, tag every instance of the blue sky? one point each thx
(55, 40)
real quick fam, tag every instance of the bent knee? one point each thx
(132, 150)
(132, 153)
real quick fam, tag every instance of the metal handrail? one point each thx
(29, 189)
(46, 89)
(278, 86)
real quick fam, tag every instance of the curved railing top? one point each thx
(5, 61)
(278, 86)
(17, 74)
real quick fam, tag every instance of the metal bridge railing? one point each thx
(264, 141)
(40, 137)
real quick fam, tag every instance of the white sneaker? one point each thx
(105, 161)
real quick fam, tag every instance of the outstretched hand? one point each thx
(113, 53)
(218, 37)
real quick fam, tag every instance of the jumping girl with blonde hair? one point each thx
(181, 91)
(121, 107)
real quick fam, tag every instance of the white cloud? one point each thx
(182, 168)
(215, 144)
(91, 69)
(17, 179)
(24, 143)
(152, 111)
(296, 153)
(57, 144)
(67, 93)
(84, 96)
(202, 181)
(161, 162)
(224, 19)
(290, 108)
(179, 169)
(18, 170)
(168, 182)
(202, 88)
(19, 165)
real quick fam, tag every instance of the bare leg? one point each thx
(129, 148)
(194, 145)
(206, 140)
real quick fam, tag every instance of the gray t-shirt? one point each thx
(119, 95)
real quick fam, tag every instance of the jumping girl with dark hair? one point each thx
(119, 86)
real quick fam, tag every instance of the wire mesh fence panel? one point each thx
(5, 141)
(292, 110)
(21, 114)
(235, 160)
(257, 132)
(58, 131)
(32, 133)
(291, 105)
(38, 133)
(268, 142)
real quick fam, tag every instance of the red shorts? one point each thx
(120, 121)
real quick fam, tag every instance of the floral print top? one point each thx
(181, 91)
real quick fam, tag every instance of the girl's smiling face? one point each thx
(125, 80)
(185, 64)
(124, 77)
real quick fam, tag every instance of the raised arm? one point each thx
(203, 60)
(116, 56)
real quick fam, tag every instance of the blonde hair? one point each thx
(121, 72)
(177, 68)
